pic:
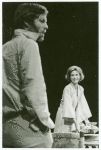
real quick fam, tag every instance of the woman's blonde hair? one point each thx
(74, 68)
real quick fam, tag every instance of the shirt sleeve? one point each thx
(34, 87)
(68, 110)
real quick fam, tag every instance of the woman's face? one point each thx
(75, 77)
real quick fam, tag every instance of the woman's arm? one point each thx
(68, 110)
(70, 121)
(87, 122)
(77, 125)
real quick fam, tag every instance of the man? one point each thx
(26, 118)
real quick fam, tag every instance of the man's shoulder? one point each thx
(24, 40)
(5, 44)
(32, 44)
(20, 43)
(25, 43)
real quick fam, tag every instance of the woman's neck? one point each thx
(75, 85)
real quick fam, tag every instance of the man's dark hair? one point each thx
(27, 12)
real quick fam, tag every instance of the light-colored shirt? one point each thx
(23, 80)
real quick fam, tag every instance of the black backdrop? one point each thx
(72, 39)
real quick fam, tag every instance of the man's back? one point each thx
(26, 117)
(15, 65)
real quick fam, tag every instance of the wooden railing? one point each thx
(67, 140)
(74, 140)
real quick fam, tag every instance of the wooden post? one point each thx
(81, 142)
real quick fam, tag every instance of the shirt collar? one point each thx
(28, 34)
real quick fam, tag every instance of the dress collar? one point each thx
(28, 34)
(73, 85)
(76, 91)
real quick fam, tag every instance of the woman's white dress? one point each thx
(73, 105)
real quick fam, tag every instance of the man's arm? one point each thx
(34, 87)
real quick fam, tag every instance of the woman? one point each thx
(73, 108)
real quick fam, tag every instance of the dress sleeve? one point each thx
(83, 110)
(34, 87)
(68, 110)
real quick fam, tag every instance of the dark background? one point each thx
(72, 39)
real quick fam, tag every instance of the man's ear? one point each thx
(26, 25)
